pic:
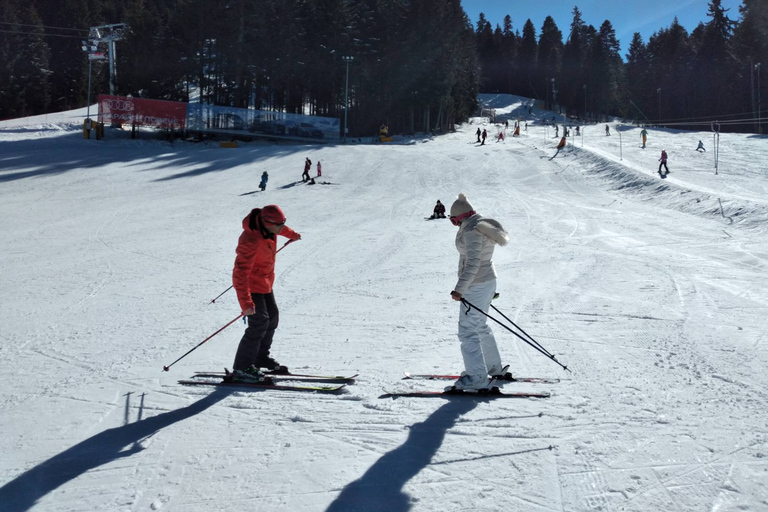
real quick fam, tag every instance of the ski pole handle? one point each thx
(168, 367)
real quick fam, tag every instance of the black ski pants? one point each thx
(665, 167)
(257, 340)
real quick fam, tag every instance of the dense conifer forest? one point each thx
(417, 64)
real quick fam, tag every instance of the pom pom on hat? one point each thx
(460, 206)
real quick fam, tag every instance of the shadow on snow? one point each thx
(21, 493)
(28, 158)
(381, 487)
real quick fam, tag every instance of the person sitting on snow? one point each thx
(439, 211)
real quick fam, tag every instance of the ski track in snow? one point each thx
(652, 291)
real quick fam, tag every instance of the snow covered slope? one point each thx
(654, 297)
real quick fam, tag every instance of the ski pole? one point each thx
(166, 368)
(540, 349)
(517, 327)
(222, 293)
(225, 291)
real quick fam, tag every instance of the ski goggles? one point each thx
(456, 219)
(267, 223)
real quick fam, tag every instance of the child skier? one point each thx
(264, 179)
(319, 169)
(644, 135)
(701, 147)
(663, 161)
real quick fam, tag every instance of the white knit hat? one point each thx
(461, 205)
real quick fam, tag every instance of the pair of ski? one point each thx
(493, 392)
(338, 382)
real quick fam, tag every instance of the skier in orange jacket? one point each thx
(252, 278)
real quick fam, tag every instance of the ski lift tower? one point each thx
(110, 34)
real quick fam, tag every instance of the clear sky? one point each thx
(626, 16)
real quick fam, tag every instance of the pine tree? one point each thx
(572, 76)
(527, 52)
(637, 77)
(548, 56)
(30, 70)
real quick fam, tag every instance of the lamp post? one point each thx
(347, 59)
(752, 89)
(90, 48)
(658, 91)
(585, 102)
(554, 94)
(759, 116)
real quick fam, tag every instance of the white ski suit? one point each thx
(475, 242)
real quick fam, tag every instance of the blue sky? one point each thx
(627, 17)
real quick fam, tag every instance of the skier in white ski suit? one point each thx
(475, 242)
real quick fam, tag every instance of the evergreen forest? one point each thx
(415, 65)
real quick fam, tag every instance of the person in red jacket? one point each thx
(252, 278)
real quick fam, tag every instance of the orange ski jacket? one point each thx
(254, 270)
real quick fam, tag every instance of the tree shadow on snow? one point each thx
(23, 492)
(381, 487)
(30, 158)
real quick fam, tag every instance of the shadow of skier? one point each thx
(21, 493)
(381, 487)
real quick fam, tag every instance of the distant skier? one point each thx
(475, 242)
(557, 131)
(264, 179)
(500, 136)
(701, 147)
(526, 126)
(307, 167)
(253, 278)
(663, 161)
(439, 211)
(644, 135)
(478, 133)
(577, 131)
(607, 131)
(485, 134)
(319, 169)
(506, 123)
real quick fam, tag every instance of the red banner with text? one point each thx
(140, 111)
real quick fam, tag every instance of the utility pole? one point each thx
(585, 102)
(554, 94)
(752, 87)
(347, 59)
(91, 48)
(759, 113)
(658, 91)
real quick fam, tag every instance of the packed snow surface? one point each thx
(653, 291)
